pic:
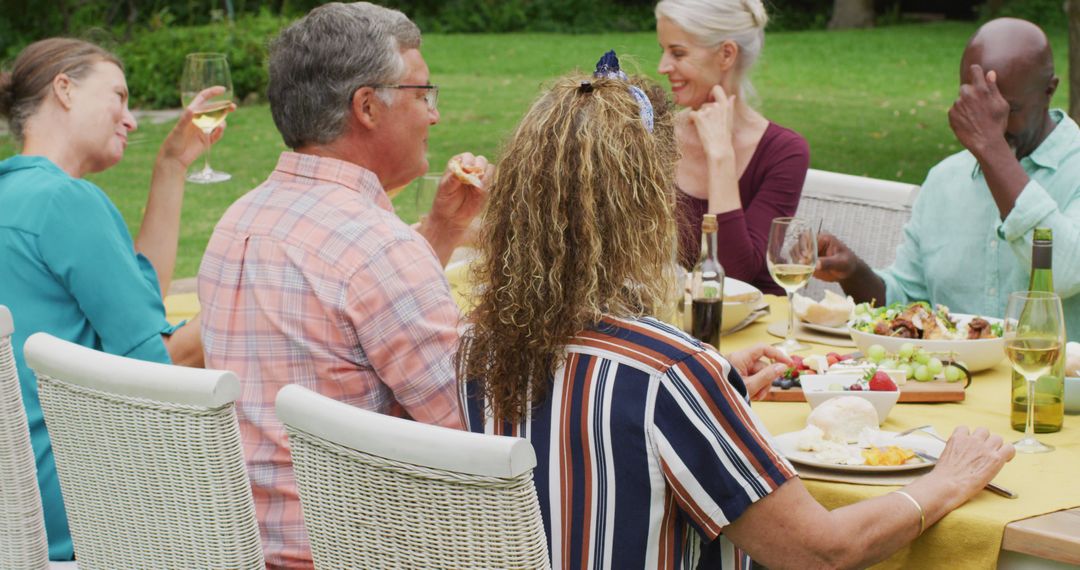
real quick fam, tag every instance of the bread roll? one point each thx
(844, 418)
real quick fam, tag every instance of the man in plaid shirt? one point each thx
(311, 278)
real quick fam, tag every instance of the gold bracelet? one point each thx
(922, 515)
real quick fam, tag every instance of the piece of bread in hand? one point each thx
(467, 174)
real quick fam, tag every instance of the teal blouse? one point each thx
(68, 267)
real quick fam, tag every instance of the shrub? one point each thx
(155, 59)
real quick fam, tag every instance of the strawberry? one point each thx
(798, 362)
(832, 358)
(881, 382)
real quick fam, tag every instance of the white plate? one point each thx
(786, 444)
(835, 331)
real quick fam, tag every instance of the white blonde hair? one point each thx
(712, 22)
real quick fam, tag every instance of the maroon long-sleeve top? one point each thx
(770, 187)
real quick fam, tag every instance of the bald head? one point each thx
(1016, 49)
(1018, 53)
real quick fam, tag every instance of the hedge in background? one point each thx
(155, 60)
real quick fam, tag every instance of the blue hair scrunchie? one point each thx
(608, 67)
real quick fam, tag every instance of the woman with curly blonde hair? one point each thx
(648, 454)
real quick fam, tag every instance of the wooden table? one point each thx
(1054, 536)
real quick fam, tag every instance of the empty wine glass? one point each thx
(201, 71)
(791, 257)
(1034, 338)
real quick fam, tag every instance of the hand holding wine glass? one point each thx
(791, 257)
(201, 71)
(1034, 337)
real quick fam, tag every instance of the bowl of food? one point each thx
(974, 341)
(740, 299)
(820, 388)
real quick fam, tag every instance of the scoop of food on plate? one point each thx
(832, 310)
(843, 419)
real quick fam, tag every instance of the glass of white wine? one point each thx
(1034, 337)
(201, 71)
(791, 257)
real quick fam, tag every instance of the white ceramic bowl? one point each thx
(1072, 395)
(736, 311)
(816, 390)
(975, 354)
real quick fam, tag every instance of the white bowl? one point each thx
(975, 354)
(1072, 395)
(816, 390)
(737, 311)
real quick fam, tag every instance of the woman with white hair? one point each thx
(734, 162)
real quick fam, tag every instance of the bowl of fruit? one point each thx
(875, 386)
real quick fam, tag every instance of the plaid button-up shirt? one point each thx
(311, 279)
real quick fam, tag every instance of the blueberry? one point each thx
(776, 382)
(786, 384)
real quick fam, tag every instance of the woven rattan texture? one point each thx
(150, 484)
(363, 511)
(872, 231)
(22, 524)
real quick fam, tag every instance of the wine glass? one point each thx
(203, 70)
(1034, 338)
(791, 257)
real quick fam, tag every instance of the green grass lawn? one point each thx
(870, 102)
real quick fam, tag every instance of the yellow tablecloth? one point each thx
(970, 536)
(180, 307)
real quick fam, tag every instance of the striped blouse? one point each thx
(646, 448)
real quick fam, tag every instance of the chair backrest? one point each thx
(149, 459)
(384, 492)
(868, 214)
(22, 523)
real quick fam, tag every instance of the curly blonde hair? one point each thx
(579, 225)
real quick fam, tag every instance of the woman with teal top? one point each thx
(69, 266)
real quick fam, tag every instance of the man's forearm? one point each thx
(443, 237)
(864, 285)
(1004, 175)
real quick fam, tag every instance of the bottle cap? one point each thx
(708, 224)
(1044, 234)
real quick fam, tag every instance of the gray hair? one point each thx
(712, 22)
(318, 62)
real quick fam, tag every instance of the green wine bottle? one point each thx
(1049, 389)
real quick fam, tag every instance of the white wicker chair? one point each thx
(22, 524)
(149, 459)
(383, 492)
(868, 214)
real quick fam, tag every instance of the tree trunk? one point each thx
(852, 14)
(993, 7)
(1074, 59)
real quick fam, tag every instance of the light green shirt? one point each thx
(958, 252)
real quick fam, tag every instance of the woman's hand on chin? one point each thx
(713, 121)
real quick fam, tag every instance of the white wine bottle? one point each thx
(1050, 387)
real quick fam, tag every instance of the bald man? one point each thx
(968, 243)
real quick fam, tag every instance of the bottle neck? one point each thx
(1041, 273)
(710, 246)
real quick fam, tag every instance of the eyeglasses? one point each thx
(431, 96)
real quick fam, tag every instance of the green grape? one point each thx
(888, 364)
(876, 353)
(921, 356)
(907, 368)
(922, 374)
(935, 366)
(906, 351)
(953, 374)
